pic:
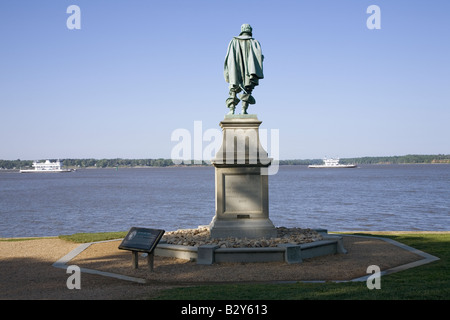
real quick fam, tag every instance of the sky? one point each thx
(138, 70)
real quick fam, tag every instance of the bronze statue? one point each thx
(243, 68)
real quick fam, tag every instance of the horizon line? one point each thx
(160, 158)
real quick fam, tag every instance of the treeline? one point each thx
(97, 163)
(304, 162)
(112, 163)
(106, 163)
(408, 159)
(15, 164)
(91, 163)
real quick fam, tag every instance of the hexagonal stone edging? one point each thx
(289, 253)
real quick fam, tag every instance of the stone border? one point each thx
(427, 258)
(62, 264)
(189, 254)
(289, 253)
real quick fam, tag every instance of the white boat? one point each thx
(46, 166)
(332, 163)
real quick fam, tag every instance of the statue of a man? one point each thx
(243, 68)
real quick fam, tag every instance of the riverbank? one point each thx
(285, 164)
(160, 162)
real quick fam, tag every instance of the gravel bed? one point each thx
(202, 236)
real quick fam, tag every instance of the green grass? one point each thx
(92, 237)
(25, 239)
(428, 282)
(78, 237)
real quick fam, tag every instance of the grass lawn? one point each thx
(427, 282)
(93, 237)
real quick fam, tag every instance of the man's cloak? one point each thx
(243, 65)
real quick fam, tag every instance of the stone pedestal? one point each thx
(242, 195)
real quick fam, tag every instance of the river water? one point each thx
(370, 197)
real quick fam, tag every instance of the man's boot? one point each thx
(244, 107)
(232, 101)
(246, 99)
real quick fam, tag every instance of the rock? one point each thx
(201, 236)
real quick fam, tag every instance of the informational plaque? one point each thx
(243, 193)
(141, 239)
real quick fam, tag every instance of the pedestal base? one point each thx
(242, 228)
(242, 190)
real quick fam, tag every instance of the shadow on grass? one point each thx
(426, 282)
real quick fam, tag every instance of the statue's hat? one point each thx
(246, 28)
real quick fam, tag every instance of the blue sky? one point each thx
(138, 70)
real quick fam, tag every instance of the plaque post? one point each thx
(141, 240)
(135, 259)
(150, 260)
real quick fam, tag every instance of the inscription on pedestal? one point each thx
(242, 193)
